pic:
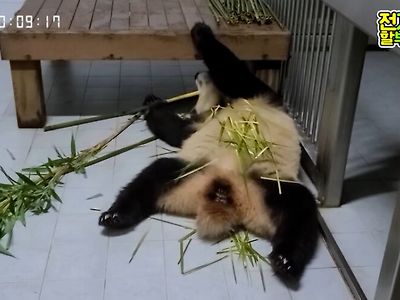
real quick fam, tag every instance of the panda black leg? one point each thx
(229, 74)
(138, 199)
(165, 124)
(295, 240)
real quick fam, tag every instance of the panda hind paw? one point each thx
(111, 219)
(285, 270)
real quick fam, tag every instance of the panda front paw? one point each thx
(151, 100)
(201, 35)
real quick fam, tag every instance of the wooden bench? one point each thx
(115, 30)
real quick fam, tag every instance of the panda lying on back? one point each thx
(220, 195)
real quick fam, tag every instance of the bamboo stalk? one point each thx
(119, 151)
(240, 11)
(273, 16)
(138, 246)
(111, 116)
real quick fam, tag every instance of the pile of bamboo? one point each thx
(235, 12)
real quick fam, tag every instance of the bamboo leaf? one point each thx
(34, 169)
(12, 181)
(55, 195)
(4, 251)
(58, 152)
(22, 219)
(9, 240)
(73, 146)
(25, 179)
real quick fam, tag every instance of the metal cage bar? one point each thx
(337, 116)
(320, 88)
(324, 112)
(389, 279)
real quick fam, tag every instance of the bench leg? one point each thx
(28, 93)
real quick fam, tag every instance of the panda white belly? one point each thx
(275, 125)
(246, 206)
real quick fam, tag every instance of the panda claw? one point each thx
(283, 267)
(110, 219)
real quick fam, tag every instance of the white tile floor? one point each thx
(64, 255)
(361, 224)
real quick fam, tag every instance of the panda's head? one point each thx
(208, 93)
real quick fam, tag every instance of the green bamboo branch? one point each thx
(35, 189)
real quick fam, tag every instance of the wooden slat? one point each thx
(120, 15)
(146, 44)
(139, 17)
(102, 15)
(30, 7)
(190, 12)
(66, 12)
(83, 15)
(155, 7)
(174, 14)
(157, 18)
(47, 11)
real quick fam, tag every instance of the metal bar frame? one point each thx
(389, 279)
(337, 62)
(336, 122)
(340, 261)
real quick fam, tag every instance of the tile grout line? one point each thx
(50, 250)
(85, 90)
(163, 240)
(105, 268)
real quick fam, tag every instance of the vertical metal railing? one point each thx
(305, 75)
(319, 85)
(313, 89)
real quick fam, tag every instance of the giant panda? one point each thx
(218, 193)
